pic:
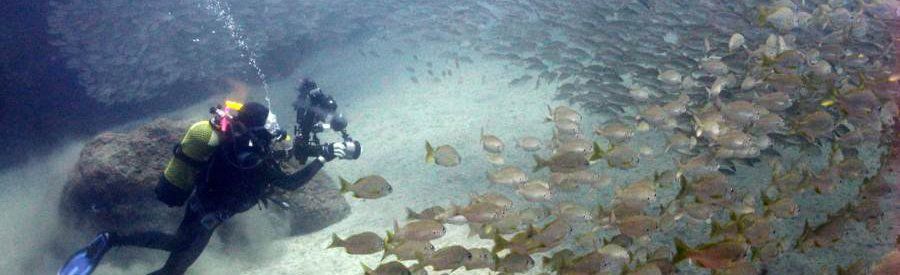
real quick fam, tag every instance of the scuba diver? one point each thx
(226, 166)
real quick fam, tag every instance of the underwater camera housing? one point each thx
(317, 112)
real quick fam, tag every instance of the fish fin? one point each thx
(345, 185)
(335, 241)
(455, 208)
(389, 237)
(549, 116)
(473, 196)
(598, 153)
(754, 251)
(489, 229)
(678, 171)
(765, 198)
(727, 171)
(807, 230)
(396, 229)
(729, 168)
(499, 244)
(682, 181)
(412, 215)
(681, 250)
(697, 122)
(539, 163)
(531, 231)
(429, 153)
(716, 229)
(600, 212)
(546, 260)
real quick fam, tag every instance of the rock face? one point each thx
(313, 206)
(129, 51)
(112, 185)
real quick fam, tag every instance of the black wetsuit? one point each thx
(221, 191)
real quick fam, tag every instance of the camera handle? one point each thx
(345, 135)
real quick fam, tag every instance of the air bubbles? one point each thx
(110, 42)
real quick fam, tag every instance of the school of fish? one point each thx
(777, 120)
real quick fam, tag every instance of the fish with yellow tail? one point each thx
(369, 187)
(716, 255)
(444, 155)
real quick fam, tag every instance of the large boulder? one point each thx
(316, 202)
(308, 209)
(112, 185)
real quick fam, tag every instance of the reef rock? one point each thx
(313, 206)
(112, 185)
(130, 51)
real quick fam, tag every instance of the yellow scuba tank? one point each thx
(191, 154)
(198, 145)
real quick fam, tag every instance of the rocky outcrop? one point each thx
(112, 185)
(312, 207)
(130, 51)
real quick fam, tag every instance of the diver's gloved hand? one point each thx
(340, 150)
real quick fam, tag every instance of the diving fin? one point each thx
(85, 260)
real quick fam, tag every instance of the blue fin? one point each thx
(85, 260)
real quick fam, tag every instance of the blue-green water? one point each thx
(404, 73)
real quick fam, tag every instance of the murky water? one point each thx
(576, 137)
